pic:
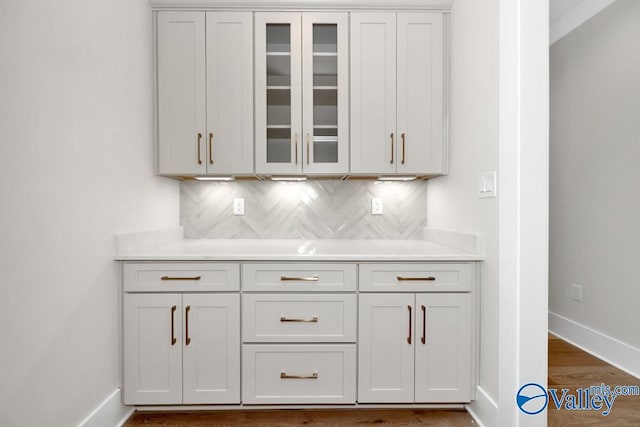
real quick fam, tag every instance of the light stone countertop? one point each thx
(297, 250)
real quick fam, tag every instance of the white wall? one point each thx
(595, 172)
(76, 166)
(452, 201)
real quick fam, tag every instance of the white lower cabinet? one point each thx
(181, 348)
(414, 348)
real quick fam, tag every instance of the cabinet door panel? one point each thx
(325, 93)
(373, 93)
(420, 93)
(181, 93)
(385, 368)
(278, 94)
(229, 92)
(152, 360)
(212, 353)
(443, 361)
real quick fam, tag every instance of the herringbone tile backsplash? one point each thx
(303, 210)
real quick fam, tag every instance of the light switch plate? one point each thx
(376, 206)
(576, 292)
(238, 206)
(487, 185)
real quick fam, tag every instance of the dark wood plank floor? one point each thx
(572, 368)
(569, 367)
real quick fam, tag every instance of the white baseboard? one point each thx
(110, 413)
(483, 410)
(615, 352)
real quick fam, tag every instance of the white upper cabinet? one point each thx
(397, 93)
(181, 93)
(301, 93)
(205, 93)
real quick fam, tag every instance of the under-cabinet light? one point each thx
(289, 178)
(215, 178)
(397, 178)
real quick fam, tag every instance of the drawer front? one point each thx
(427, 277)
(299, 318)
(181, 277)
(296, 277)
(292, 374)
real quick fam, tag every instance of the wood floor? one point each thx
(572, 368)
(569, 367)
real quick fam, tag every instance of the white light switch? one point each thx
(376, 206)
(487, 185)
(238, 206)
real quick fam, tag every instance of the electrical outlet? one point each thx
(376, 206)
(576, 292)
(238, 206)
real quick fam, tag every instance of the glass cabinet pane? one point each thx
(325, 93)
(278, 38)
(279, 145)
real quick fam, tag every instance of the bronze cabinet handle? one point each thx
(173, 336)
(391, 148)
(180, 278)
(296, 143)
(424, 325)
(402, 136)
(409, 337)
(299, 279)
(187, 340)
(285, 376)
(308, 148)
(199, 138)
(414, 279)
(314, 319)
(211, 147)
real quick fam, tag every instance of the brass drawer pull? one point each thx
(424, 325)
(285, 376)
(181, 278)
(314, 319)
(402, 136)
(415, 279)
(409, 337)
(199, 158)
(211, 147)
(392, 150)
(173, 336)
(299, 279)
(186, 316)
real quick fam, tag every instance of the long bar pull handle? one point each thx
(181, 278)
(414, 279)
(403, 144)
(409, 337)
(173, 335)
(211, 147)
(308, 148)
(299, 279)
(199, 158)
(296, 143)
(392, 150)
(314, 319)
(424, 325)
(187, 340)
(285, 376)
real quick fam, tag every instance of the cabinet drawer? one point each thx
(299, 318)
(299, 277)
(431, 277)
(299, 374)
(181, 277)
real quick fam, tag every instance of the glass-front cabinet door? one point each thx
(325, 90)
(301, 76)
